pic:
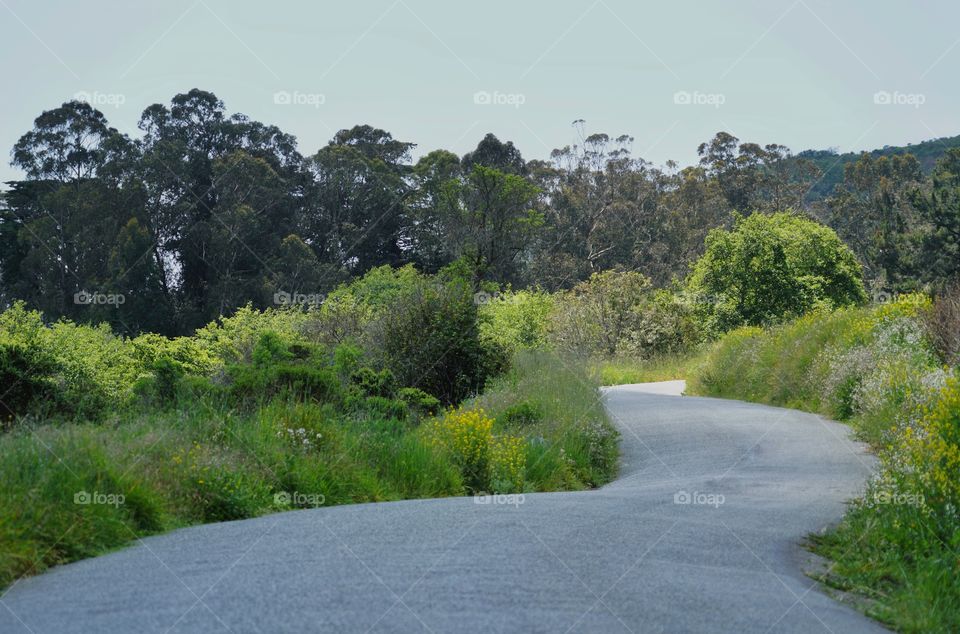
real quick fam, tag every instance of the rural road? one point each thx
(700, 533)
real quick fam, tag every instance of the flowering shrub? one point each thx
(466, 434)
(508, 457)
(932, 451)
(484, 459)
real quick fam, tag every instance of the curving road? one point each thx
(700, 533)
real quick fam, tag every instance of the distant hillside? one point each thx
(832, 164)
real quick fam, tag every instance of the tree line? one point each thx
(207, 211)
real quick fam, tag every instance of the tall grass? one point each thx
(621, 370)
(554, 402)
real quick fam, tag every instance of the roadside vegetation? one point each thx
(202, 324)
(890, 371)
(621, 370)
(370, 397)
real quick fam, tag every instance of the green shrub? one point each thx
(193, 357)
(193, 388)
(598, 315)
(28, 379)
(430, 340)
(259, 384)
(663, 324)
(419, 401)
(346, 360)
(374, 383)
(516, 320)
(309, 382)
(769, 268)
(521, 414)
(349, 310)
(231, 340)
(167, 374)
(270, 349)
(385, 407)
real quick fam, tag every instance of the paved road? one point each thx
(699, 534)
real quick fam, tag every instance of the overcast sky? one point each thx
(803, 73)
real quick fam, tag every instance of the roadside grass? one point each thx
(623, 370)
(554, 402)
(891, 557)
(77, 489)
(875, 368)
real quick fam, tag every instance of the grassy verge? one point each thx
(554, 402)
(876, 369)
(623, 370)
(73, 490)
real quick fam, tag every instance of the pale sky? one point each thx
(803, 73)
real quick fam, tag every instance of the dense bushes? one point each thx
(423, 329)
(257, 413)
(90, 367)
(430, 339)
(617, 312)
(877, 368)
(516, 320)
(864, 363)
(27, 376)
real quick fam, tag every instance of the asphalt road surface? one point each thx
(701, 533)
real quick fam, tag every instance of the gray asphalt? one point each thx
(701, 533)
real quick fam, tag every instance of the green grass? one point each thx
(888, 555)
(574, 445)
(874, 368)
(625, 370)
(208, 459)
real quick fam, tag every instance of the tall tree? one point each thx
(490, 220)
(492, 152)
(871, 212)
(75, 202)
(940, 209)
(358, 198)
